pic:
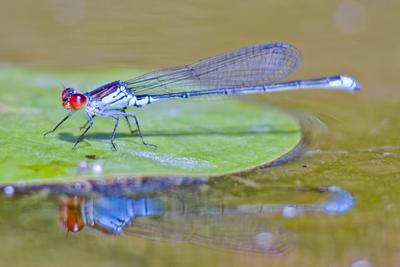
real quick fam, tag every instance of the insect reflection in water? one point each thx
(185, 218)
(177, 220)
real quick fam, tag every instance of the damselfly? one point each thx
(255, 69)
(191, 215)
(175, 217)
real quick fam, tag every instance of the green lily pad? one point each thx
(199, 137)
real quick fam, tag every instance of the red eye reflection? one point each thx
(77, 101)
(71, 215)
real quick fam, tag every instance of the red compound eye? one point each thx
(77, 101)
(66, 93)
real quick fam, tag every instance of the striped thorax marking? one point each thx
(119, 98)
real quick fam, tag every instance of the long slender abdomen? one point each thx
(141, 100)
(340, 82)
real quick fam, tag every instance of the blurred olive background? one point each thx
(358, 152)
(354, 37)
(160, 33)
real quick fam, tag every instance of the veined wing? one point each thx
(242, 233)
(259, 64)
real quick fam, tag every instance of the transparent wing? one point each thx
(259, 64)
(241, 233)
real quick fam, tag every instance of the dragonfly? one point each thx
(259, 68)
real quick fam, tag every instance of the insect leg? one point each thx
(113, 133)
(139, 131)
(113, 113)
(90, 119)
(127, 121)
(58, 125)
(86, 123)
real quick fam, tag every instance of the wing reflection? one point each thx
(189, 217)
